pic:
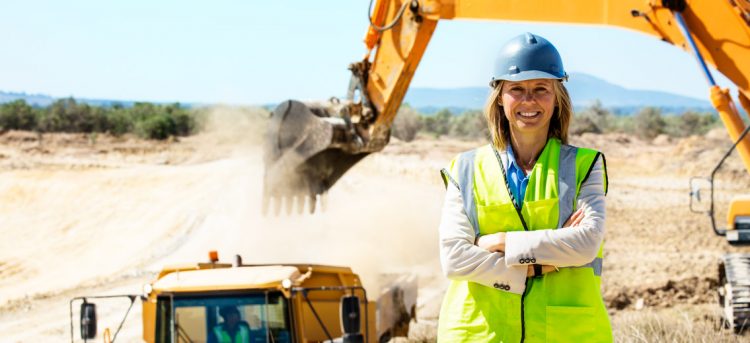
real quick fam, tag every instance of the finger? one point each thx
(578, 220)
(583, 215)
(582, 211)
(580, 214)
(573, 217)
(570, 219)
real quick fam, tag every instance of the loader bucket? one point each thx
(303, 156)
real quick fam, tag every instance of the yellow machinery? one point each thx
(310, 146)
(276, 303)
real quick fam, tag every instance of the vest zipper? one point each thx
(523, 320)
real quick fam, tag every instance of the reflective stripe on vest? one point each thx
(465, 185)
(563, 306)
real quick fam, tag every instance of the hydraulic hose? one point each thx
(392, 23)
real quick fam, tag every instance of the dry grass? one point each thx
(683, 324)
(675, 325)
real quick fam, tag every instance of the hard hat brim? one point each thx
(527, 75)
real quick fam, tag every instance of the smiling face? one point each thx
(528, 106)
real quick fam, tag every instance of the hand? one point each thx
(575, 218)
(545, 269)
(494, 242)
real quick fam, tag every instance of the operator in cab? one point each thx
(233, 329)
(522, 224)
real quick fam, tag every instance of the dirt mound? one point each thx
(693, 290)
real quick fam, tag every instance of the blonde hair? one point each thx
(500, 127)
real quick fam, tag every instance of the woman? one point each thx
(523, 220)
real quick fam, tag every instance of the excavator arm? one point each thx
(310, 146)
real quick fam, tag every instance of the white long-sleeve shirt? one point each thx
(462, 260)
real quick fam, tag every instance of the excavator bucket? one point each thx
(305, 153)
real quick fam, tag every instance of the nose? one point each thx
(527, 96)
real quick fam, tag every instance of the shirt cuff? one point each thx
(519, 250)
(517, 278)
(509, 279)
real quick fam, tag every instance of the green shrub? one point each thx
(690, 123)
(594, 119)
(439, 124)
(160, 126)
(406, 124)
(118, 122)
(470, 125)
(17, 115)
(185, 122)
(581, 124)
(648, 123)
(147, 120)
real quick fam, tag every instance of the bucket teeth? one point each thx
(311, 203)
(301, 158)
(323, 202)
(300, 204)
(290, 205)
(276, 205)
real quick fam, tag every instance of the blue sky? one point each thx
(254, 52)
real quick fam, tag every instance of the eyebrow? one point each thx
(538, 83)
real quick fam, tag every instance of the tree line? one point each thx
(146, 120)
(647, 123)
(161, 121)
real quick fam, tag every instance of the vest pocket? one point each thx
(541, 214)
(497, 218)
(571, 324)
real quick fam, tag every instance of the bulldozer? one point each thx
(192, 302)
(309, 146)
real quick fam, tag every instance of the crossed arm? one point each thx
(494, 259)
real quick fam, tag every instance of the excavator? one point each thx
(309, 146)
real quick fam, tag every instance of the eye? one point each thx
(541, 90)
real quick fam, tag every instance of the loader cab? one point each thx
(198, 317)
(268, 303)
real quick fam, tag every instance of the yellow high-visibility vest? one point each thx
(222, 336)
(563, 306)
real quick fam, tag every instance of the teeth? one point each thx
(528, 114)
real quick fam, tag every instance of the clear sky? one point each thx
(254, 52)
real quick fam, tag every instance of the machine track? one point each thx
(734, 290)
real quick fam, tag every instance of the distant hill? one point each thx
(584, 90)
(31, 99)
(43, 100)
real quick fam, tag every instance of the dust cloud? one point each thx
(379, 217)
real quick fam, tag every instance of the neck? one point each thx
(527, 148)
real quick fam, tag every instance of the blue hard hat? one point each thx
(527, 57)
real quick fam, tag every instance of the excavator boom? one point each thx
(310, 146)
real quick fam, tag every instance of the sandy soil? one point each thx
(83, 215)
